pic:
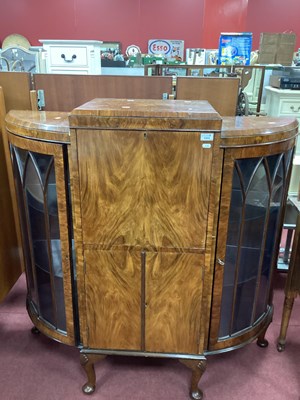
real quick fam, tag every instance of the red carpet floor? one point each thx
(37, 368)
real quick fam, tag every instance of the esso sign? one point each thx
(159, 47)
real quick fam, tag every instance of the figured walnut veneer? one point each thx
(150, 209)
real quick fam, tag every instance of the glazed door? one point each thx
(41, 182)
(253, 195)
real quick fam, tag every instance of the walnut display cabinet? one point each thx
(150, 228)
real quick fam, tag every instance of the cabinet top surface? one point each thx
(236, 131)
(147, 108)
(279, 91)
(152, 115)
(240, 131)
(70, 42)
(42, 125)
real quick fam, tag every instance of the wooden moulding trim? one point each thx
(41, 135)
(44, 126)
(139, 248)
(142, 354)
(47, 329)
(238, 341)
(44, 137)
(259, 139)
(149, 123)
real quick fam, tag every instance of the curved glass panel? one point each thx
(250, 246)
(36, 185)
(55, 247)
(258, 186)
(274, 214)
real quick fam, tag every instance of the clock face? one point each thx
(132, 50)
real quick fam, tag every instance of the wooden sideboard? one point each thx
(150, 227)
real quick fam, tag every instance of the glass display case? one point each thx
(44, 207)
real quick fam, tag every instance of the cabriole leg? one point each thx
(87, 361)
(287, 310)
(198, 368)
(261, 340)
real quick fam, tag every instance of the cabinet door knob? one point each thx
(220, 262)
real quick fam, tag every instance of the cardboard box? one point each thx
(277, 48)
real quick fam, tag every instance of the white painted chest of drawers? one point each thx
(286, 103)
(72, 56)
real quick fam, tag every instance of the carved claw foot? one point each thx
(35, 330)
(87, 362)
(198, 368)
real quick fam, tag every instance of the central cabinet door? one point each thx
(113, 299)
(144, 301)
(144, 201)
(173, 302)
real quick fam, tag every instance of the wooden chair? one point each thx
(221, 93)
(292, 286)
(66, 92)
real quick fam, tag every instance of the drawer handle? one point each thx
(220, 262)
(69, 61)
(293, 109)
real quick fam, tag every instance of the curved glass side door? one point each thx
(41, 182)
(256, 196)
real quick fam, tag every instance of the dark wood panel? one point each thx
(113, 299)
(65, 92)
(221, 93)
(173, 302)
(16, 87)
